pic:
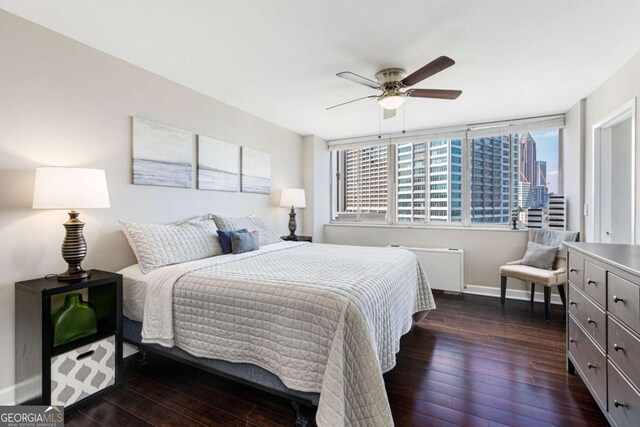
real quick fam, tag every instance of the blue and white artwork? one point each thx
(162, 155)
(218, 165)
(256, 171)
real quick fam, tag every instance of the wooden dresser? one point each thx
(603, 326)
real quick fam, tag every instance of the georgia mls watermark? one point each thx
(31, 416)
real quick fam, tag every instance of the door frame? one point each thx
(624, 112)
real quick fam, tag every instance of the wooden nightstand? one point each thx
(298, 238)
(79, 371)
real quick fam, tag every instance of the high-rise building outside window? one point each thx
(538, 167)
(479, 180)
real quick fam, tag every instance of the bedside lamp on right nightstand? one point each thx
(292, 198)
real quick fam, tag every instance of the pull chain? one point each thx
(404, 109)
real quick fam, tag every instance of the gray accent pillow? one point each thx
(157, 245)
(555, 238)
(245, 242)
(252, 223)
(540, 256)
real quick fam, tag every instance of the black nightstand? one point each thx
(298, 238)
(79, 371)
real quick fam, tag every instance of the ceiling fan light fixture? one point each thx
(391, 102)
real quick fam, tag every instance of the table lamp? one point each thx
(71, 188)
(292, 198)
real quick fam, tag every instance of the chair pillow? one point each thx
(245, 242)
(225, 239)
(540, 256)
(252, 223)
(157, 245)
(556, 238)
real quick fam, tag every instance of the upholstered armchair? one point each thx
(557, 276)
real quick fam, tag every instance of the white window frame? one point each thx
(471, 132)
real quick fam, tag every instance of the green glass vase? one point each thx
(75, 319)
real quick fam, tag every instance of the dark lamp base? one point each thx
(69, 276)
(74, 249)
(292, 224)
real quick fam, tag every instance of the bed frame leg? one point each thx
(301, 420)
(141, 358)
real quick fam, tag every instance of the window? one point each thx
(362, 184)
(487, 191)
(473, 181)
(536, 160)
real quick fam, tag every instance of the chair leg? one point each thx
(503, 289)
(562, 295)
(547, 303)
(533, 291)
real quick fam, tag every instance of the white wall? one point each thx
(619, 89)
(485, 250)
(65, 104)
(572, 159)
(317, 179)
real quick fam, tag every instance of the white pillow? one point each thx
(157, 245)
(252, 223)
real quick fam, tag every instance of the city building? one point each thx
(541, 173)
(527, 149)
(365, 181)
(490, 179)
(429, 181)
(533, 191)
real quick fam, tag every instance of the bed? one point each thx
(316, 323)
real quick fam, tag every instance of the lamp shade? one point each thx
(292, 197)
(70, 188)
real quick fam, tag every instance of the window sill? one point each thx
(430, 226)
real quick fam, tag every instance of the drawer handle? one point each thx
(591, 366)
(618, 404)
(590, 321)
(617, 299)
(616, 347)
(572, 302)
(85, 354)
(573, 270)
(591, 282)
(571, 340)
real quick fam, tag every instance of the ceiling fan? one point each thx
(391, 81)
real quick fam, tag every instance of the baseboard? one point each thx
(517, 294)
(8, 396)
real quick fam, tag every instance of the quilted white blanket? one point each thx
(323, 318)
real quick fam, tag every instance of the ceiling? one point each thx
(278, 59)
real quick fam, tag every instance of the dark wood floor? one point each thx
(470, 363)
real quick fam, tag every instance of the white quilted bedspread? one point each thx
(323, 318)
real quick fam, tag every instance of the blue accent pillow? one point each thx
(225, 239)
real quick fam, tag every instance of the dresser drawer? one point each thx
(624, 301)
(576, 270)
(595, 283)
(589, 315)
(83, 371)
(624, 400)
(590, 361)
(624, 349)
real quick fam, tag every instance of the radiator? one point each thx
(444, 267)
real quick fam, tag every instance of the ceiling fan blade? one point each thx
(428, 70)
(359, 79)
(349, 102)
(388, 114)
(433, 93)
